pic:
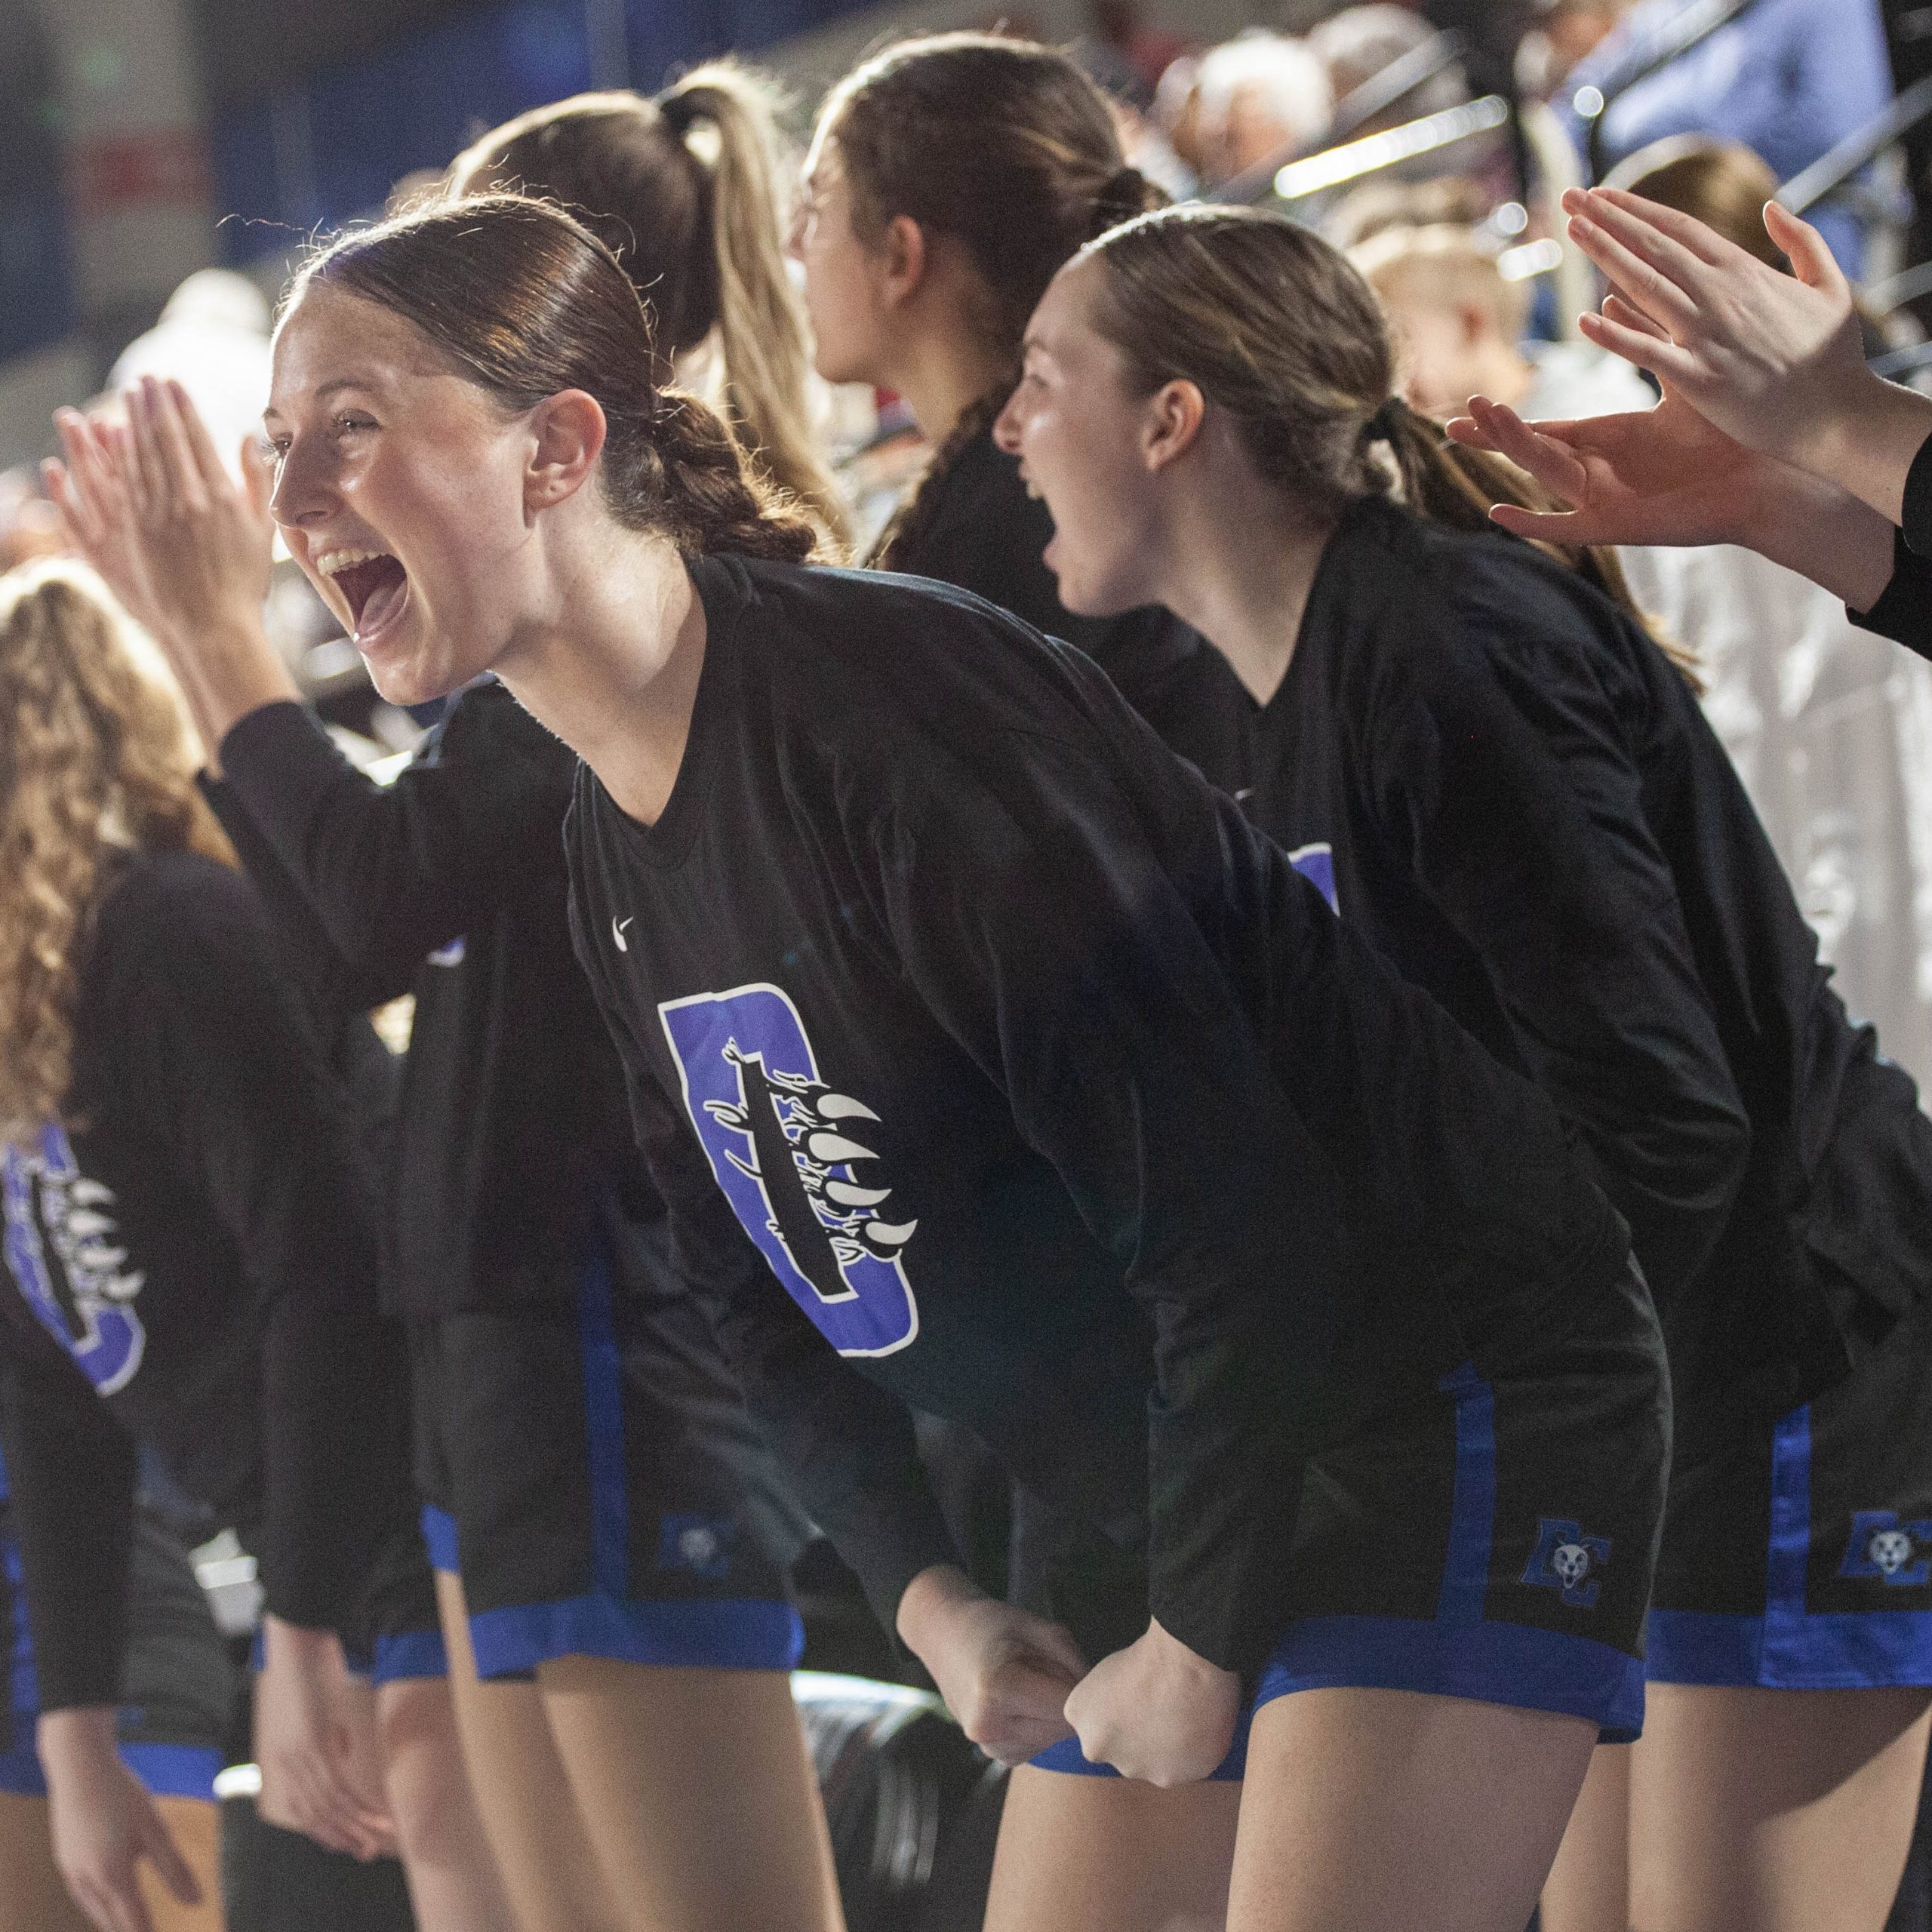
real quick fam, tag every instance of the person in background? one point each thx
(688, 190)
(178, 1691)
(1461, 329)
(1355, 46)
(1789, 78)
(1264, 97)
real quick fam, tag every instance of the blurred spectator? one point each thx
(1450, 201)
(213, 339)
(1264, 98)
(1460, 325)
(1566, 32)
(1131, 97)
(1357, 43)
(1150, 51)
(1787, 78)
(1177, 111)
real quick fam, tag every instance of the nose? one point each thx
(1006, 424)
(303, 492)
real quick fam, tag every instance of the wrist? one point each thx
(82, 1734)
(294, 1643)
(1867, 443)
(235, 671)
(928, 1599)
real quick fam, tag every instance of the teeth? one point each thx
(333, 563)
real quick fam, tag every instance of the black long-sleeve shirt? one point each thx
(1903, 611)
(1054, 1096)
(450, 883)
(193, 1268)
(1515, 796)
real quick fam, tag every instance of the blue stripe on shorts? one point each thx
(1461, 1653)
(1789, 1648)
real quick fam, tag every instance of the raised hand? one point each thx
(1157, 1710)
(1775, 361)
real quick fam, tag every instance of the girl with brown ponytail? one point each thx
(991, 1065)
(1499, 778)
(949, 177)
(687, 190)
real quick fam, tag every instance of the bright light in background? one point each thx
(1532, 258)
(1332, 167)
(1588, 102)
(1512, 218)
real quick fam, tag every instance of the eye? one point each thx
(349, 421)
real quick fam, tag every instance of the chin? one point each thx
(1093, 597)
(411, 678)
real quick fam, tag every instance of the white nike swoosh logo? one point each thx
(1246, 792)
(617, 932)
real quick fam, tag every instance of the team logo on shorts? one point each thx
(1882, 1546)
(784, 1146)
(83, 1294)
(1567, 1561)
(703, 1545)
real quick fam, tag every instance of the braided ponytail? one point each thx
(526, 303)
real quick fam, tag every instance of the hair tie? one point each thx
(682, 109)
(1122, 196)
(1381, 427)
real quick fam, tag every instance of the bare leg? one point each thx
(697, 1793)
(33, 1899)
(1081, 1854)
(1372, 1810)
(454, 1883)
(194, 1824)
(523, 1796)
(1756, 1810)
(1589, 1886)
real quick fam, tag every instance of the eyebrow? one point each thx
(333, 388)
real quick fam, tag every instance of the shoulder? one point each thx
(185, 930)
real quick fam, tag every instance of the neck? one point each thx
(941, 378)
(1242, 583)
(614, 674)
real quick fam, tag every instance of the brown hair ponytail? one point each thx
(525, 302)
(686, 191)
(1005, 146)
(1199, 295)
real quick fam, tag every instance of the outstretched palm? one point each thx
(1663, 475)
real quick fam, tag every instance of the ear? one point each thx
(569, 432)
(904, 259)
(1171, 424)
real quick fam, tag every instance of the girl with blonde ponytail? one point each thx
(1496, 775)
(688, 188)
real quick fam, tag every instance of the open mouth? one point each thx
(372, 584)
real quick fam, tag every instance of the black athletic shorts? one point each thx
(1798, 1556)
(178, 1684)
(1494, 1540)
(591, 1474)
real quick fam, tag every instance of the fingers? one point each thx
(1811, 260)
(200, 447)
(1535, 449)
(1653, 350)
(145, 467)
(1628, 315)
(1055, 1642)
(1694, 237)
(112, 1900)
(257, 476)
(185, 487)
(1569, 528)
(1657, 274)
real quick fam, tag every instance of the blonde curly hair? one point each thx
(96, 762)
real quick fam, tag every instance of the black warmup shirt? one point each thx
(192, 1268)
(1513, 794)
(1031, 1071)
(450, 884)
(1903, 611)
(986, 535)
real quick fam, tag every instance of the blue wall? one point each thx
(349, 133)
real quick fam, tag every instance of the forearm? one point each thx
(76, 1740)
(225, 676)
(1866, 446)
(1825, 533)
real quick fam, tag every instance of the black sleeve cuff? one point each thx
(1903, 609)
(1916, 516)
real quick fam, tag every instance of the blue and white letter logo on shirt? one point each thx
(86, 1303)
(1316, 863)
(784, 1146)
